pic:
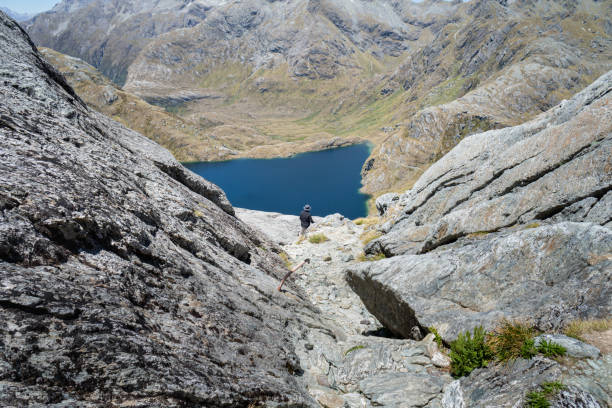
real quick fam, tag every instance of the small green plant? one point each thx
(469, 352)
(551, 349)
(528, 349)
(359, 221)
(552, 387)
(536, 399)
(437, 337)
(377, 257)
(317, 238)
(368, 258)
(370, 235)
(540, 399)
(354, 348)
(512, 340)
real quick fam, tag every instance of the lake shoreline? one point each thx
(302, 149)
(329, 180)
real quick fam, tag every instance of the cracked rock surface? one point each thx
(511, 223)
(124, 278)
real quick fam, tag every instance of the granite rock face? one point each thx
(484, 233)
(550, 275)
(125, 278)
(586, 384)
(555, 167)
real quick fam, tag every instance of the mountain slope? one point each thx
(183, 138)
(126, 279)
(17, 16)
(282, 77)
(519, 216)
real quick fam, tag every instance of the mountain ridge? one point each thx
(284, 77)
(16, 15)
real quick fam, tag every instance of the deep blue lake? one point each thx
(328, 180)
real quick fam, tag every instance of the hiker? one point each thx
(305, 219)
(307, 260)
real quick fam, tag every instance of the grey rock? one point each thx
(534, 172)
(487, 224)
(592, 376)
(574, 398)
(125, 278)
(401, 389)
(384, 202)
(551, 275)
(501, 385)
(348, 258)
(573, 347)
(335, 365)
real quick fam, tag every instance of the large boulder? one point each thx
(550, 275)
(125, 278)
(509, 385)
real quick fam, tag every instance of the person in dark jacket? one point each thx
(305, 219)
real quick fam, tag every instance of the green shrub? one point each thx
(369, 258)
(528, 349)
(551, 349)
(512, 340)
(553, 387)
(377, 257)
(317, 239)
(537, 399)
(540, 399)
(437, 337)
(469, 352)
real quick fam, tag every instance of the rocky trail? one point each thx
(357, 364)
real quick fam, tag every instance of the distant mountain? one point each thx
(182, 137)
(17, 16)
(277, 76)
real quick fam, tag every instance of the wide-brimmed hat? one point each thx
(307, 207)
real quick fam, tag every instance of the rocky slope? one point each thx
(126, 279)
(365, 366)
(183, 138)
(361, 366)
(275, 78)
(512, 223)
